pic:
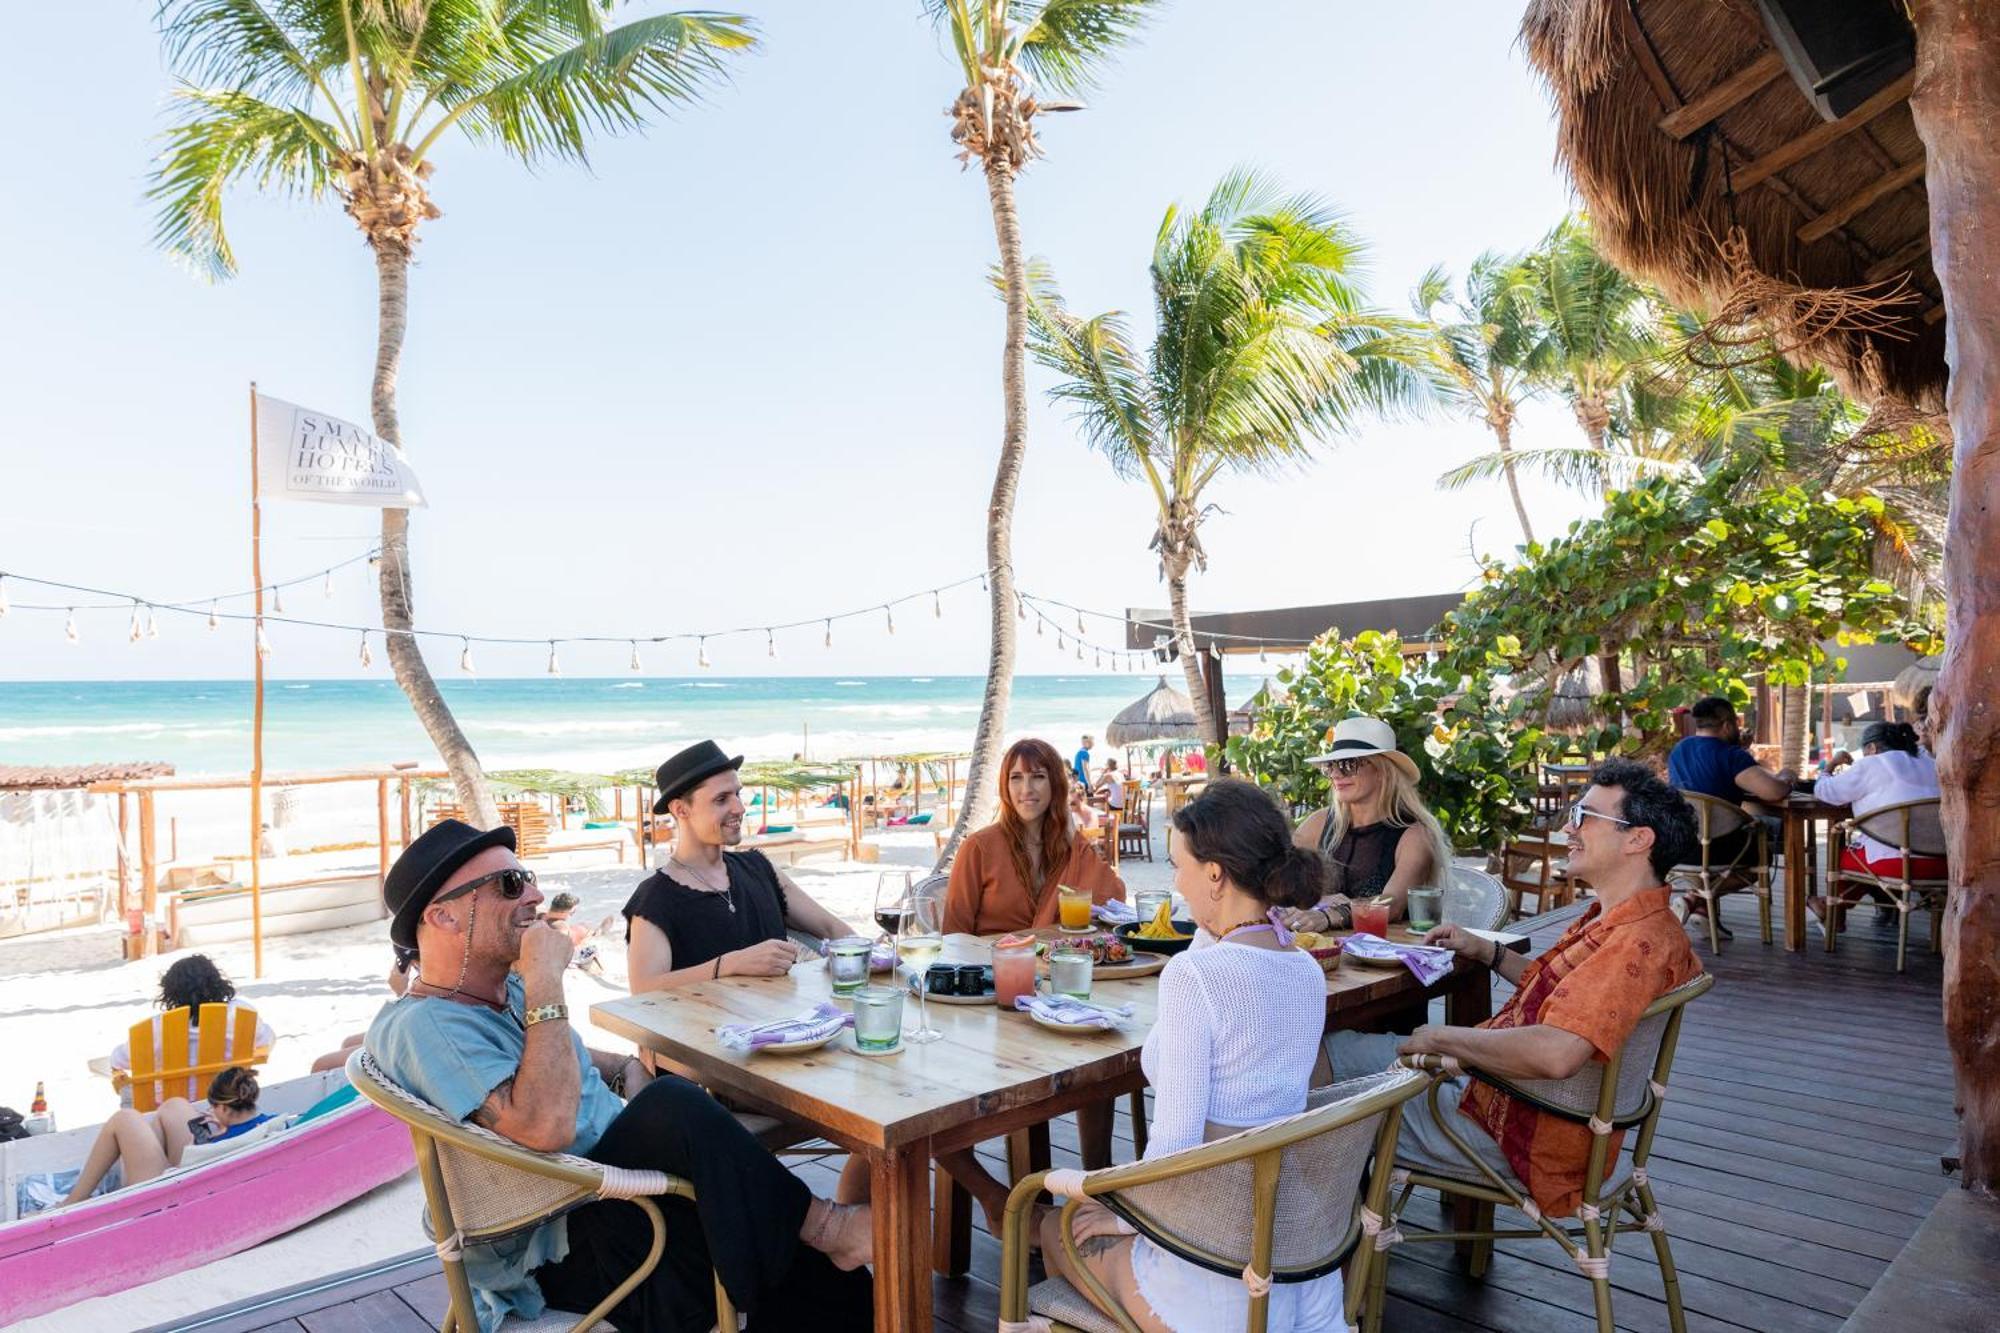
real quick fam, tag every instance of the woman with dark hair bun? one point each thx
(147, 1145)
(190, 983)
(1233, 1047)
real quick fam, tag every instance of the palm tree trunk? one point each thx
(1594, 415)
(981, 779)
(1794, 708)
(1177, 570)
(406, 659)
(1504, 433)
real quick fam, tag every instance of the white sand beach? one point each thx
(65, 998)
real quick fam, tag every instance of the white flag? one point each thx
(308, 455)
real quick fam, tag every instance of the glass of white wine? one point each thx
(919, 941)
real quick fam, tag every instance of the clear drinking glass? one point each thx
(919, 941)
(878, 1017)
(847, 964)
(1146, 902)
(1069, 972)
(1425, 903)
(892, 898)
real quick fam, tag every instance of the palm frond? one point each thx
(1577, 467)
(1104, 380)
(226, 136)
(243, 46)
(1065, 44)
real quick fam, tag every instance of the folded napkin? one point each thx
(822, 1020)
(1427, 964)
(1062, 1009)
(1115, 912)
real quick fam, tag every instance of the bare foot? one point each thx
(844, 1232)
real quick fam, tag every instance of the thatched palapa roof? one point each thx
(48, 777)
(1163, 714)
(1679, 121)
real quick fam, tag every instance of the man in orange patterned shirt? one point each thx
(1578, 1002)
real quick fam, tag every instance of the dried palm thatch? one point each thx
(1163, 714)
(1762, 214)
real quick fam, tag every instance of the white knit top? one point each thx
(1234, 1045)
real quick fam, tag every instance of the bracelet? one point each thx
(543, 1013)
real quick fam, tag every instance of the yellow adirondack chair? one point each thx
(163, 1070)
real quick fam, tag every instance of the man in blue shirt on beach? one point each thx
(482, 1034)
(1079, 767)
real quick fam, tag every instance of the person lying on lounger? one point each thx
(148, 1144)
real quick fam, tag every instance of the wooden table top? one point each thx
(989, 1061)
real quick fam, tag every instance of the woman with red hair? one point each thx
(1006, 874)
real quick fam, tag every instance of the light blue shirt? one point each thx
(453, 1055)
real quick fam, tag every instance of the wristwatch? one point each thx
(542, 1013)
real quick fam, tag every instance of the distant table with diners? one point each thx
(993, 1073)
(1799, 812)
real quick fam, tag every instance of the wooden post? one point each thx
(403, 796)
(257, 711)
(1956, 105)
(124, 860)
(149, 880)
(382, 826)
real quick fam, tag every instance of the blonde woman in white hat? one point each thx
(1376, 834)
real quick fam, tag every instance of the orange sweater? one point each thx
(987, 897)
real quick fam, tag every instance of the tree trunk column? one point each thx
(1957, 109)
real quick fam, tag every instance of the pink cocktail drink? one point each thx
(1013, 973)
(1372, 918)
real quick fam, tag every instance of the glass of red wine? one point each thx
(892, 899)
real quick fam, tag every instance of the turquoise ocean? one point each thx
(588, 724)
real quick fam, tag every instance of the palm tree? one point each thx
(1473, 347)
(1261, 343)
(1007, 49)
(349, 98)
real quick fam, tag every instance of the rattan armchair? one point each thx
(1913, 828)
(1284, 1202)
(480, 1188)
(1623, 1093)
(1709, 878)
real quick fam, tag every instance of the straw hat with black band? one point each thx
(1360, 737)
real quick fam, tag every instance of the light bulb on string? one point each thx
(213, 619)
(771, 644)
(1020, 606)
(135, 631)
(1079, 652)
(982, 580)
(277, 601)
(3, 596)
(152, 624)
(1079, 622)
(555, 667)
(69, 627)
(367, 658)
(328, 589)
(1260, 652)
(829, 634)
(937, 605)
(701, 653)
(634, 665)
(375, 563)
(890, 617)
(1039, 622)
(465, 657)
(1060, 645)
(1097, 659)
(263, 644)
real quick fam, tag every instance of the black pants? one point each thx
(744, 1226)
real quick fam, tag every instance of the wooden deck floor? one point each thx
(1798, 1151)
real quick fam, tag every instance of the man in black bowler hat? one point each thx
(706, 915)
(483, 1033)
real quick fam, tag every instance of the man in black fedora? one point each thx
(483, 1033)
(706, 915)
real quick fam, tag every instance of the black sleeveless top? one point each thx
(701, 927)
(1361, 864)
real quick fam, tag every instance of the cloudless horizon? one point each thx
(744, 367)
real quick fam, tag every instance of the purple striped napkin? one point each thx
(822, 1020)
(1062, 1009)
(1428, 964)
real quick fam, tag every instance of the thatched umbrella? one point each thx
(1913, 680)
(1164, 714)
(1573, 709)
(1780, 186)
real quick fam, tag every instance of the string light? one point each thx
(634, 666)
(555, 667)
(701, 653)
(213, 620)
(277, 601)
(1079, 652)
(1039, 622)
(890, 616)
(135, 631)
(770, 644)
(1060, 645)
(1020, 606)
(1260, 652)
(465, 657)
(152, 624)
(982, 580)
(69, 627)
(367, 658)
(1097, 659)
(263, 644)
(1079, 622)
(3, 596)
(829, 633)
(329, 583)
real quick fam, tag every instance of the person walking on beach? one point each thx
(483, 1034)
(706, 915)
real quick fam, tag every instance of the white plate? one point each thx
(798, 1047)
(1054, 1026)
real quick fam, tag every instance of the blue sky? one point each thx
(743, 368)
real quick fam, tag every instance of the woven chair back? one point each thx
(930, 886)
(488, 1197)
(1715, 818)
(1208, 1216)
(1475, 899)
(1580, 1092)
(1914, 827)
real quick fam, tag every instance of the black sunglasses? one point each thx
(1347, 768)
(513, 881)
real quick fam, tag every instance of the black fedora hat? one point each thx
(424, 867)
(689, 769)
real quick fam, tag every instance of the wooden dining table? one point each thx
(994, 1073)
(1800, 812)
